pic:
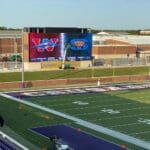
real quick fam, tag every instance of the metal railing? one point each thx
(10, 66)
(117, 62)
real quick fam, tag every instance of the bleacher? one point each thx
(5, 145)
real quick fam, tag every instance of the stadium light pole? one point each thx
(149, 73)
(114, 68)
(22, 48)
(15, 51)
(93, 66)
(114, 48)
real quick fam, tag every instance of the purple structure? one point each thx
(76, 139)
(5, 145)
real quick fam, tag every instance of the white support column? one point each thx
(22, 82)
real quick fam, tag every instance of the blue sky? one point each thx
(98, 14)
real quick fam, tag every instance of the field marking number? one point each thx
(145, 121)
(110, 111)
(80, 103)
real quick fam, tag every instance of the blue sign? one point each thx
(80, 46)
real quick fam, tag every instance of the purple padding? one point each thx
(78, 140)
(5, 146)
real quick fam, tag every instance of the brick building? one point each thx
(122, 46)
(10, 43)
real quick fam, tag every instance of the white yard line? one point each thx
(71, 104)
(87, 124)
(101, 106)
(100, 112)
(128, 116)
(122, 125)
(92, 113)
(145, 132)
(144, 107)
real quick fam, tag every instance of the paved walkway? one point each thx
(87, 124)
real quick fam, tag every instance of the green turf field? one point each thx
(124, 111)
(21, 118)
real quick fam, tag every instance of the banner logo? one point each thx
(45, 44)
(79, 44)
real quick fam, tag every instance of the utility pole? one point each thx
(22, 82)
(93, 58)
(15, 51)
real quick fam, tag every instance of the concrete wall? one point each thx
(85, 64)
(36, 66)
(64, 82)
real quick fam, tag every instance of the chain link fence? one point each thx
(118, 62)
(10, 66)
